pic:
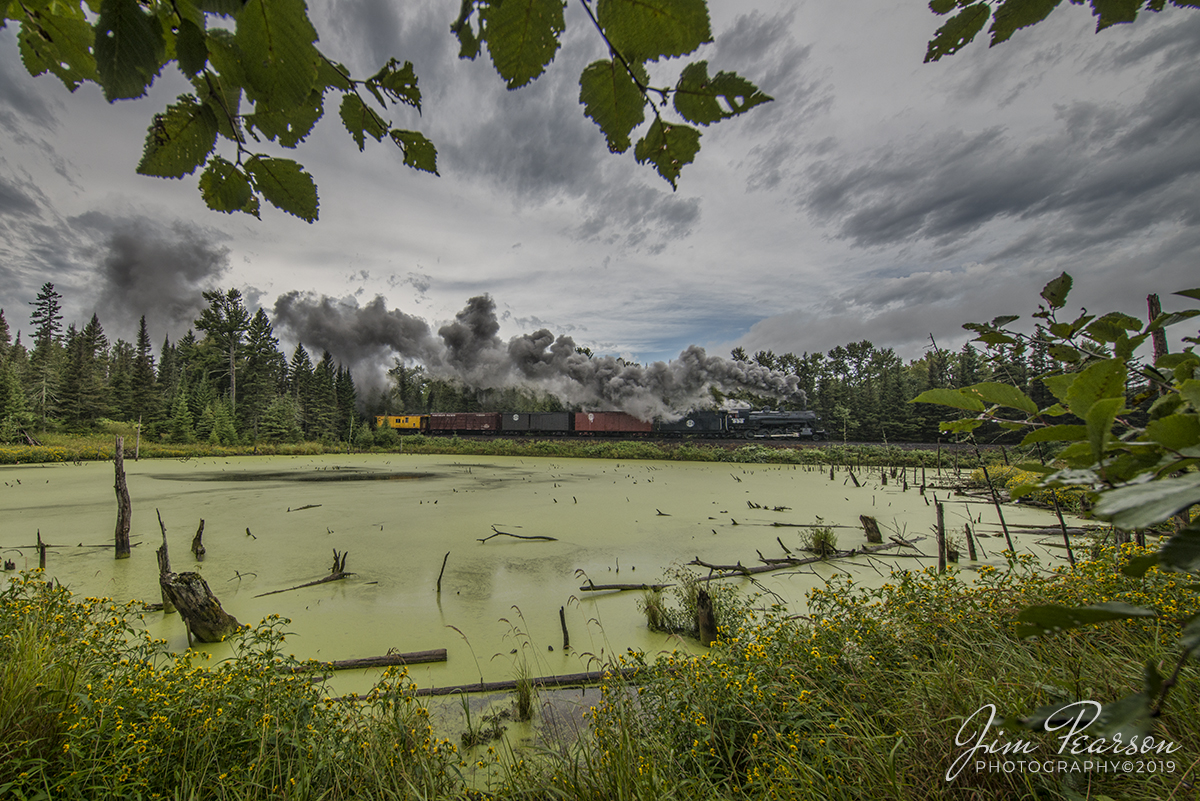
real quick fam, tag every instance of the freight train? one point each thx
(746, 423)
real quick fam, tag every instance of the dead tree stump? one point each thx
(164, 565)
(197, 545)
(124, 508)
(871, 528)
(198, 607)
(706, 618)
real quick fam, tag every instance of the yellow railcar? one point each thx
(403, 422)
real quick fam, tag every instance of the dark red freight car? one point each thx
(488, 422)
(611, 423)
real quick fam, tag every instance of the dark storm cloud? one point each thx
(17, 101)
(631, 216)
(148, 268)
(1103, 173)
(14, 200)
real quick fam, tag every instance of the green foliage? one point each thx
(1139, 475)
(1009, 16)
(265, 53)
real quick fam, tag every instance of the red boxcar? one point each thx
(611, 423)
(468, 421)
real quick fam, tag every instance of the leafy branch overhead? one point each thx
(1008, 16)
(258, 77)
(1126, 430)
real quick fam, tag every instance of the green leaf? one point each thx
(361, 120)
(955, 398)
(1004, 395)
(225, 188)
(224, 97)
(1194, 294)
(958, 31)
(1012, 15)
(1189, 638)
(522, 37)
(1064, 353)
(1099, 421)
(1182, 551)
(669, 148)
(285, 185)
(59, 44)
(1039, 620)
(1164, 320)
(179, 140)
(942, 7)
(468, 43)
(1176, 431)
(1055, 293)
(1129, 718)
(1059, 385)
(1056, 434)
(1138, 565)
(1104, 379)
(191, 49)
(280, 61)
(611, 98)
(1143, 505)
(1189, 391)
(1004, 320)
(959, 426)
(333, 76)
(289, 127)
(129, 49)
(1114, 12)
(419, 152)
(696, 94)
(398, 82)
(647, 30)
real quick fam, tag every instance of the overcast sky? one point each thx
(877, 198)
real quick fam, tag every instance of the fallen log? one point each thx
(602, 587)
(568, 680)
(387, 660)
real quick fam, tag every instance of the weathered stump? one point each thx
(198, 607)
(706, 618)
(871, 528)
(124, 508)
(164, 565)
(197, 544)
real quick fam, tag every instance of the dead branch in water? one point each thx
(739, 570)
(337, 573)
(518, 536)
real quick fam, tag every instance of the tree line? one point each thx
(227, 384)
(226, 381)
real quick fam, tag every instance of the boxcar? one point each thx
(705, 423)
(404, 422)
(537, 422)
(481, 422)
(611, 423)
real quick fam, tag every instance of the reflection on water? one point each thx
(273, 522)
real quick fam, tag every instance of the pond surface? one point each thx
(398, 516)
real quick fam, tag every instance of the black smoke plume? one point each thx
(469, 352)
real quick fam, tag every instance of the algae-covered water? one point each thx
(398, 515)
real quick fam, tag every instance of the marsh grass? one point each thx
(98, 446)
(859, 699)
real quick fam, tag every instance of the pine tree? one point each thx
(264, 372)
(225, 322)
(144, 400)
(181, 416)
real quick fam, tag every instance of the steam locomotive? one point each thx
(745, 423)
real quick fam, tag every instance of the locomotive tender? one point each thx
(747, 423)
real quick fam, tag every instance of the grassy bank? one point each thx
(861, 700)
(100, 446)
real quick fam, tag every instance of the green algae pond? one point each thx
(272, 523)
